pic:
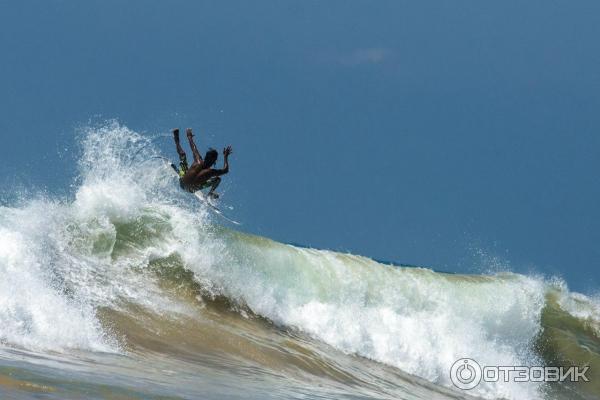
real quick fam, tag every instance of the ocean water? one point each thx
(132, 290)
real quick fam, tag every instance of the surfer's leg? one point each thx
(180, 150)
(214, 184)
(195, 152)
(183, 165)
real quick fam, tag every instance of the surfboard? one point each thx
(201, 196)
(209, 202)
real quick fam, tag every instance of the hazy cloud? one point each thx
(371, 55)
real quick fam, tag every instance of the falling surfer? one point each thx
(200, 175)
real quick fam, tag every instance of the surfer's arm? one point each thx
(226, 152)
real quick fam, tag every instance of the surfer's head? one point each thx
(210, 158)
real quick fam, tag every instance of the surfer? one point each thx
(200, 175)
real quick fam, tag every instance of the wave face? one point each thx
(136, 269)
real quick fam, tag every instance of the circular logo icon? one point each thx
(465, 374)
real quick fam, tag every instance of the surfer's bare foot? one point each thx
(188, 132)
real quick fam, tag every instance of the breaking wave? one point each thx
(80, 274)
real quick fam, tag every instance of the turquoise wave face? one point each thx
(114, 269)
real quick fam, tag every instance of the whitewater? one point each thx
(130, 289)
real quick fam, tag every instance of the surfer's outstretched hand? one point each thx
(227, 151)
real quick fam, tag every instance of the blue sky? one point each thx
(444, 134)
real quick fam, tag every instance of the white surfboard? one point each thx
(209, 202)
